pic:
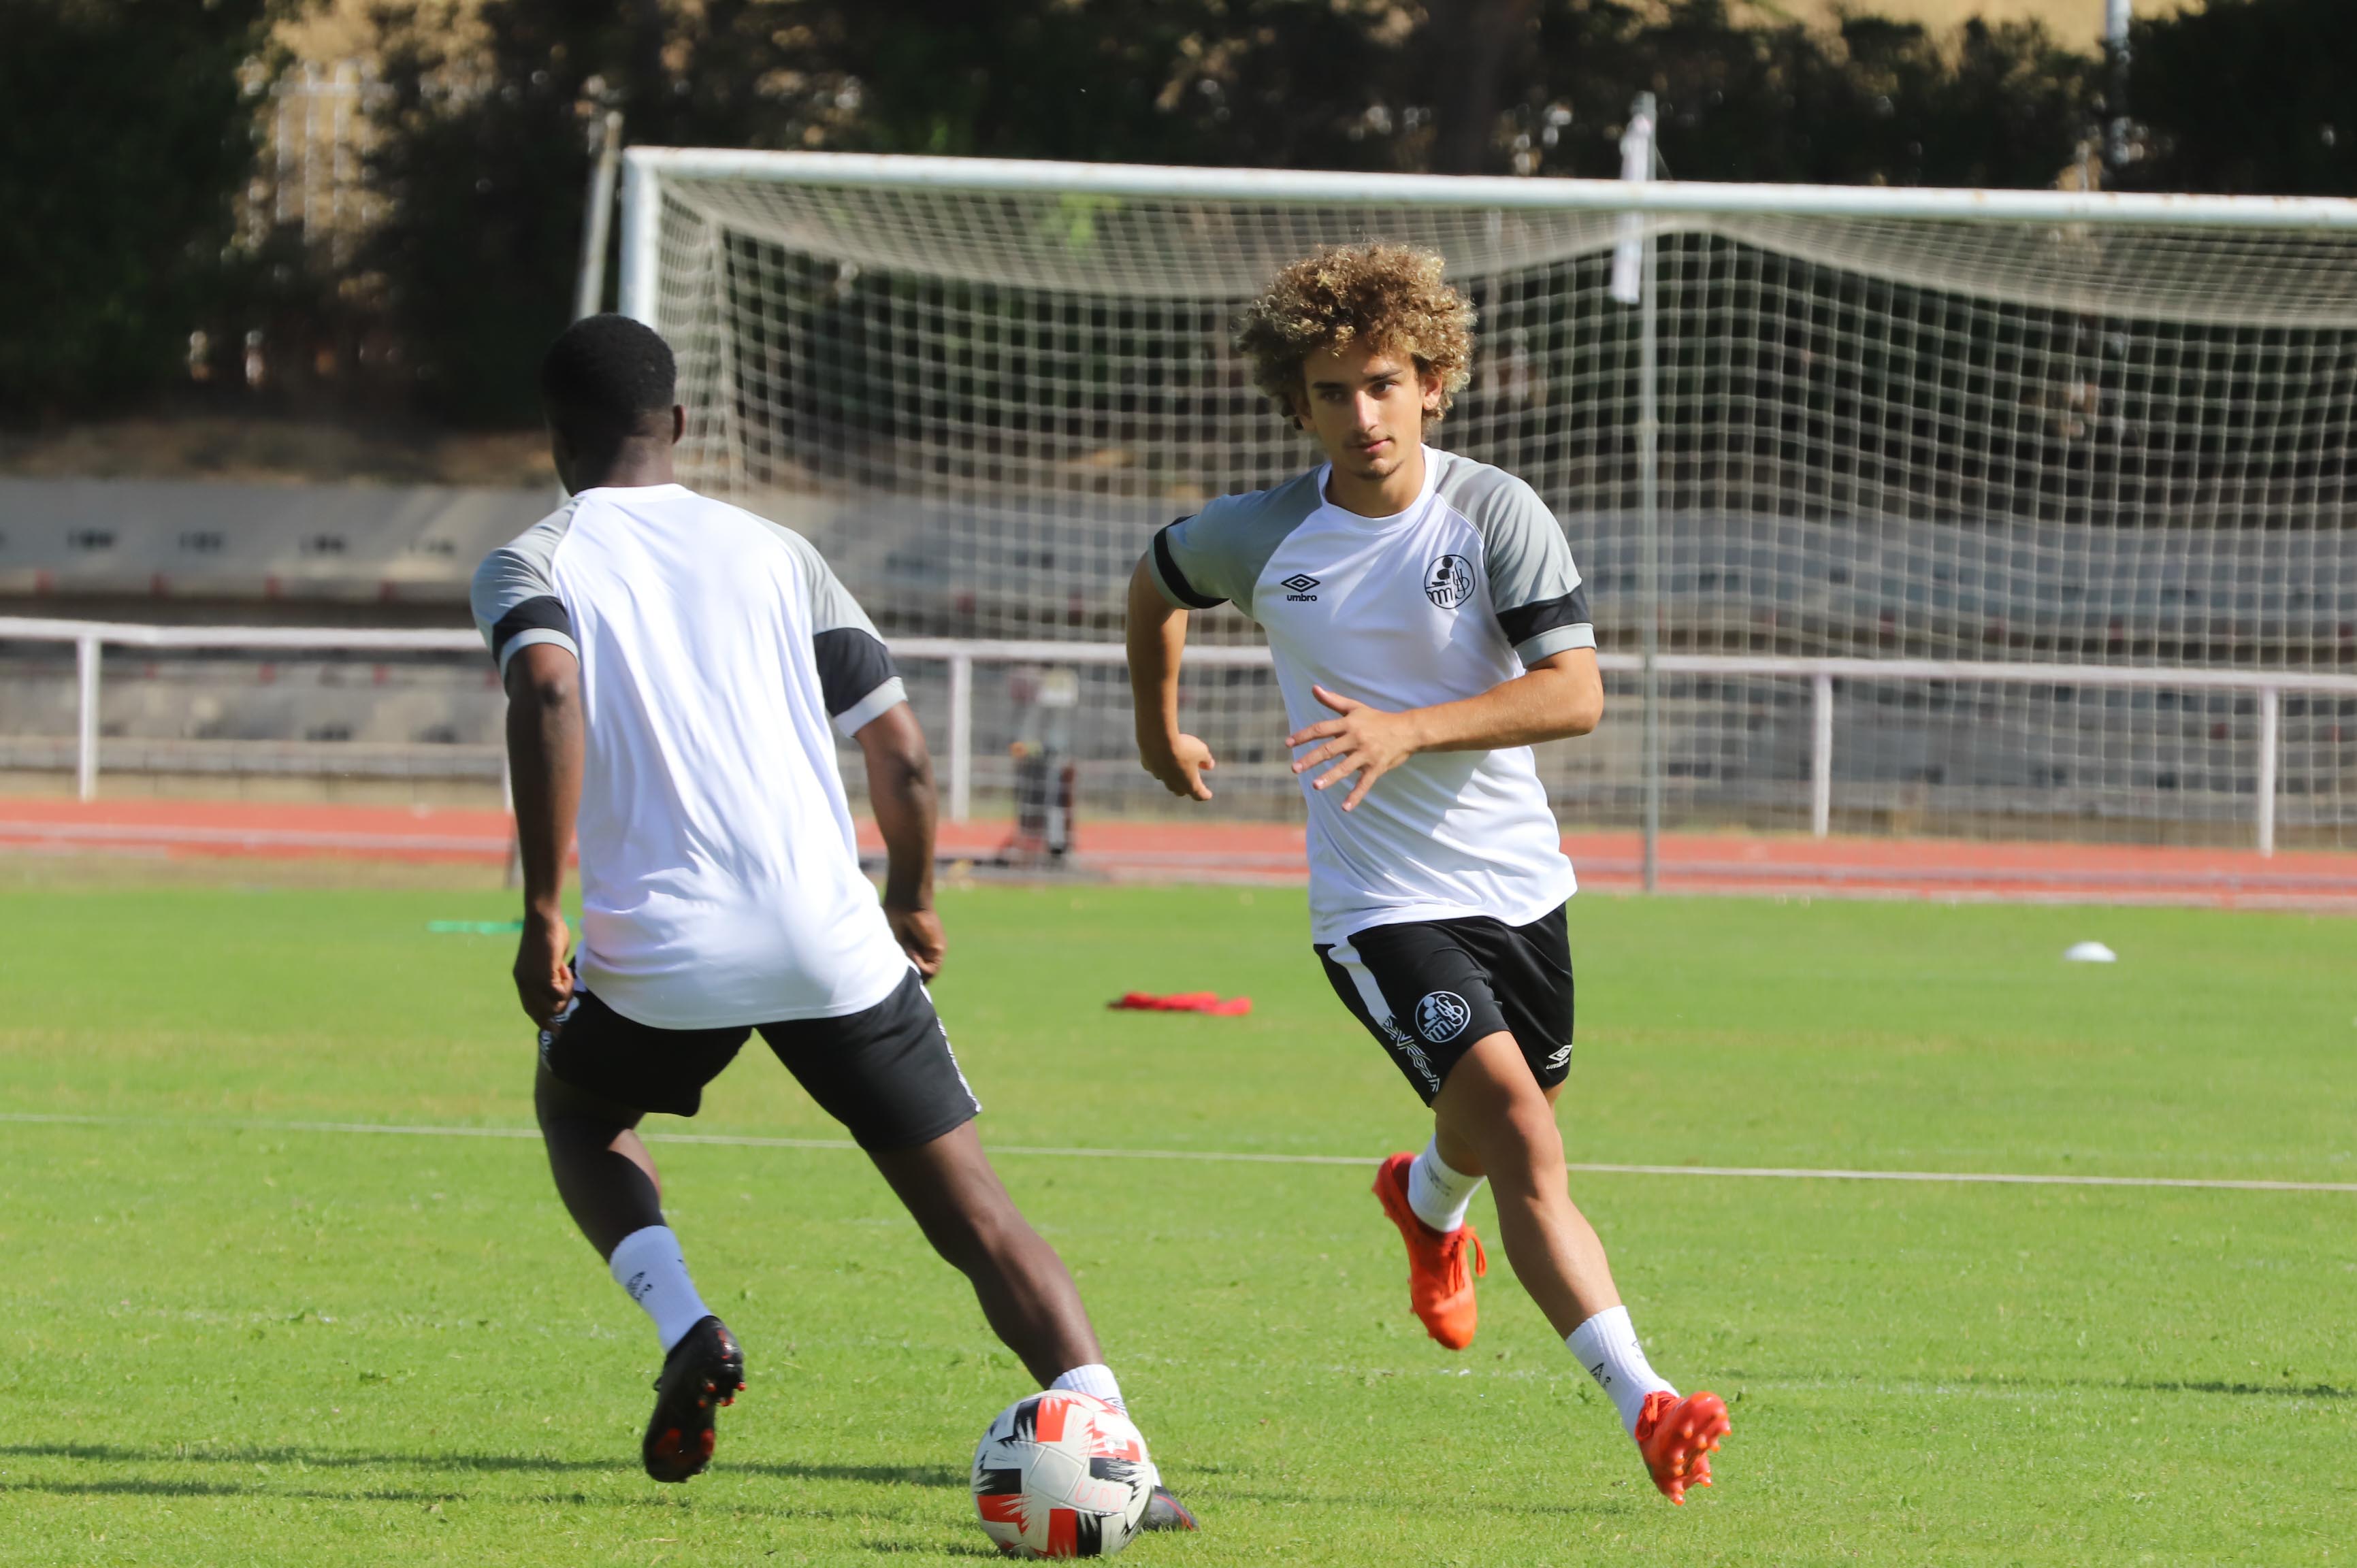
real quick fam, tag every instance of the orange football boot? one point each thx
(1440, 1287)
(1677, 1436)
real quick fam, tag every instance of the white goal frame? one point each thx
(646, 170)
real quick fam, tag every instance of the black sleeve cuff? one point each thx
(1526, 621)
(545, 613)
(1166, 568)
(851, 663)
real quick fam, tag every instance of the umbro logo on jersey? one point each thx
(1450, 581)
(1297, 587)
(1442, 1017)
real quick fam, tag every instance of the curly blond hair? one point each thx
(1391, 295)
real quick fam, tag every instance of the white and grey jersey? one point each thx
(720, 879)
(516, 605)
(1462, 591)
(1535, 589)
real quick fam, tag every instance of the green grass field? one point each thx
(224, 1340)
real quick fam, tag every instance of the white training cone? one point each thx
(2090, 952)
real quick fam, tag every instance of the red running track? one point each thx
(1248, 852)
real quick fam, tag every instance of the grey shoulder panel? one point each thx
(832, 607)
(1534, 587)
(1216, 557)
(513, 593)
(856, 676)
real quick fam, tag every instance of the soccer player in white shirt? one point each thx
(677, 670)
(1429, 626)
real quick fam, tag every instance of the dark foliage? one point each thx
(124, 136)
(1880, 102)
(2251, 96)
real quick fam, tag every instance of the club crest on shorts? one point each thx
(1450, 581)
(1442, 1017)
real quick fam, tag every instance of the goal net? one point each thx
(1951, 435)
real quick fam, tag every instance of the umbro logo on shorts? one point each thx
(1450, 581)
(1442, 1017)
(1560, 1058)
(1297, 587)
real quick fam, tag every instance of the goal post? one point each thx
(1906, 430)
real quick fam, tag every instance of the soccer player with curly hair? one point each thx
(1428, 627)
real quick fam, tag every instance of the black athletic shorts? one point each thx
(1429, 990)
(887, 1074)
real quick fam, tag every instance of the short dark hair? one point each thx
(604, 375)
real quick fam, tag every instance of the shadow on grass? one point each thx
(941, 1475)
(2033, 1386)
(1385, 1504)
(2248, 1390)
(152, 1488)
(266, 1491)
(934, 1549)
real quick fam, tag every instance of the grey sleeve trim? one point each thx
(523, 639)
(513, 592)
(1554, 641)
(1216, 555)
(832, 607)
(1534, 587)
(871, 707)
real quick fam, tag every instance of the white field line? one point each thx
(1220, 1156)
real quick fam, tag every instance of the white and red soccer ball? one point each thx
(1062, 1475)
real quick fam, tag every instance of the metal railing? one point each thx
(2267, 688)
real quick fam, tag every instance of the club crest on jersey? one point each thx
(1442, 1017)
(1297, 587)
(1450, 581)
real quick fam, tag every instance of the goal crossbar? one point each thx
(645, 169)
(1666, 198)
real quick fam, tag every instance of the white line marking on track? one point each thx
(1216, 1156)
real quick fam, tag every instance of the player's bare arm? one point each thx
(900, 793)
(1559, 697)
(1157, 638)
(544, 760)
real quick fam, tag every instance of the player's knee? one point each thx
(976, 1237)
(1532, 1155)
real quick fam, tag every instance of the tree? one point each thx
(2251, 96)
(1474, 48)
(124, 138)
(486, 151)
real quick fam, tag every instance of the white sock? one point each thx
(1093, 1378)
(1607, 1346)
(1437, 1194)
(649, 1264)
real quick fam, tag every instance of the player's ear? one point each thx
(678, 423)
(1433, 390)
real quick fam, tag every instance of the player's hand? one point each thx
(1369, 741)
(919, 932)
(543, 978)
(1180, 763)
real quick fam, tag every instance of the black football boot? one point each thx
(703, 1371)
(1167, 1512)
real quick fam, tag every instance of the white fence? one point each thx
(2267, 688)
